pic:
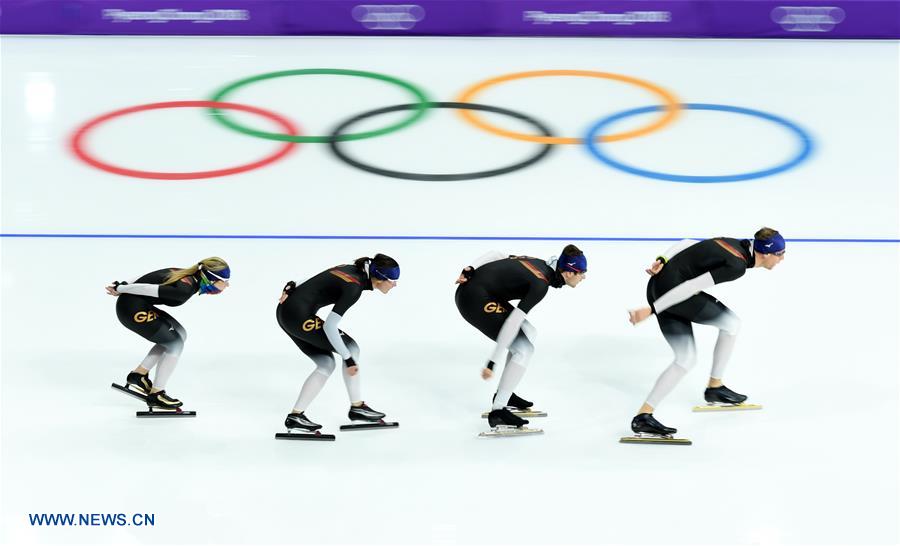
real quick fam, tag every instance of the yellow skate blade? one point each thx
(654, 440)
(521, 413)
(512, 431)
(727, 407)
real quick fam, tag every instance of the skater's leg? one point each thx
(680, 336)
(151, 360)
(316, 380)
(520, 351)
(352, 381)
(157, 351)
(715, 313)
(172, 342)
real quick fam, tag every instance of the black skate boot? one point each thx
(364, 413)
(299, 422)
(516, 402)
(505, 417)
(301, 428)
(506, 423)
(161, 400)
(723, 395)
(645, 423)
(161, 404)
(139, 383)
(647, 430)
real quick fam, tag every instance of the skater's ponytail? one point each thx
(216, 265)
(381, 267)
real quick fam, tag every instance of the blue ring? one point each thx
(806, 147)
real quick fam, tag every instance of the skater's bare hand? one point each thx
(639, 315)
(284, 296)
(487, 373)
(655, 268)
(111, 290)
(352, 370)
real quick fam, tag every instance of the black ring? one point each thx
(336, 145)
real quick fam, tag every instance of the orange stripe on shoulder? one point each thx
(537, 273)
(730, 249)
(344, 277)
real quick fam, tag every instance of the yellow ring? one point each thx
(671, 104)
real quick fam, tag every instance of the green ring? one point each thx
(421, 99)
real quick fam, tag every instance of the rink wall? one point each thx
(872, 19)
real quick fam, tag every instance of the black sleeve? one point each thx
(536, 293)
(729, 271)
(349, 296)
(176, 293)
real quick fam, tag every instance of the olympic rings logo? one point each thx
(595, 139)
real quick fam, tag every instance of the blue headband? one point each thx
(222, 275)
(384, 273)
(769, 246)
(575, 264)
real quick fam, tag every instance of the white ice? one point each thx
(819, 346)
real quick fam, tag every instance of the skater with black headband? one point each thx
(676, 297)
(137, 310)
(483, 299)
(320, 340)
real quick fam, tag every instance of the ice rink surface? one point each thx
(818, 348)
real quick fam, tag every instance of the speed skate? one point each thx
(156, 412)
(520, 413)
(135, 392)
(504, 423)
(647, 430)
(508, 430)
(727, 407)
(309, 436)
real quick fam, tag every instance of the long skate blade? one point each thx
(655, 440)
(158, 412)
(500, 432)
(126, 390)
(521, 413)
(309, 436)
(727, 407)
(380, 424)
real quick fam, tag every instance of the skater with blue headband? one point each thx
(675, 295)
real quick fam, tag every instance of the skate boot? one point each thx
(161, 400)
(723, 395)
(372, 418)
(505, 417)
(160, 404)
(515, 402)
(505, 423)
(301, 428)
(300, 422)
(645, 423)
(364, 413)
(724, 399)
(647, 430)
(518, 406)
(139, 383)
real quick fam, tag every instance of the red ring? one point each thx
(81, 153)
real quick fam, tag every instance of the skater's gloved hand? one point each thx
(352, 368)
(111, 289)
(465, 275)
(286, 291)
(656, 267)
(639, 315)
(488, 371)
